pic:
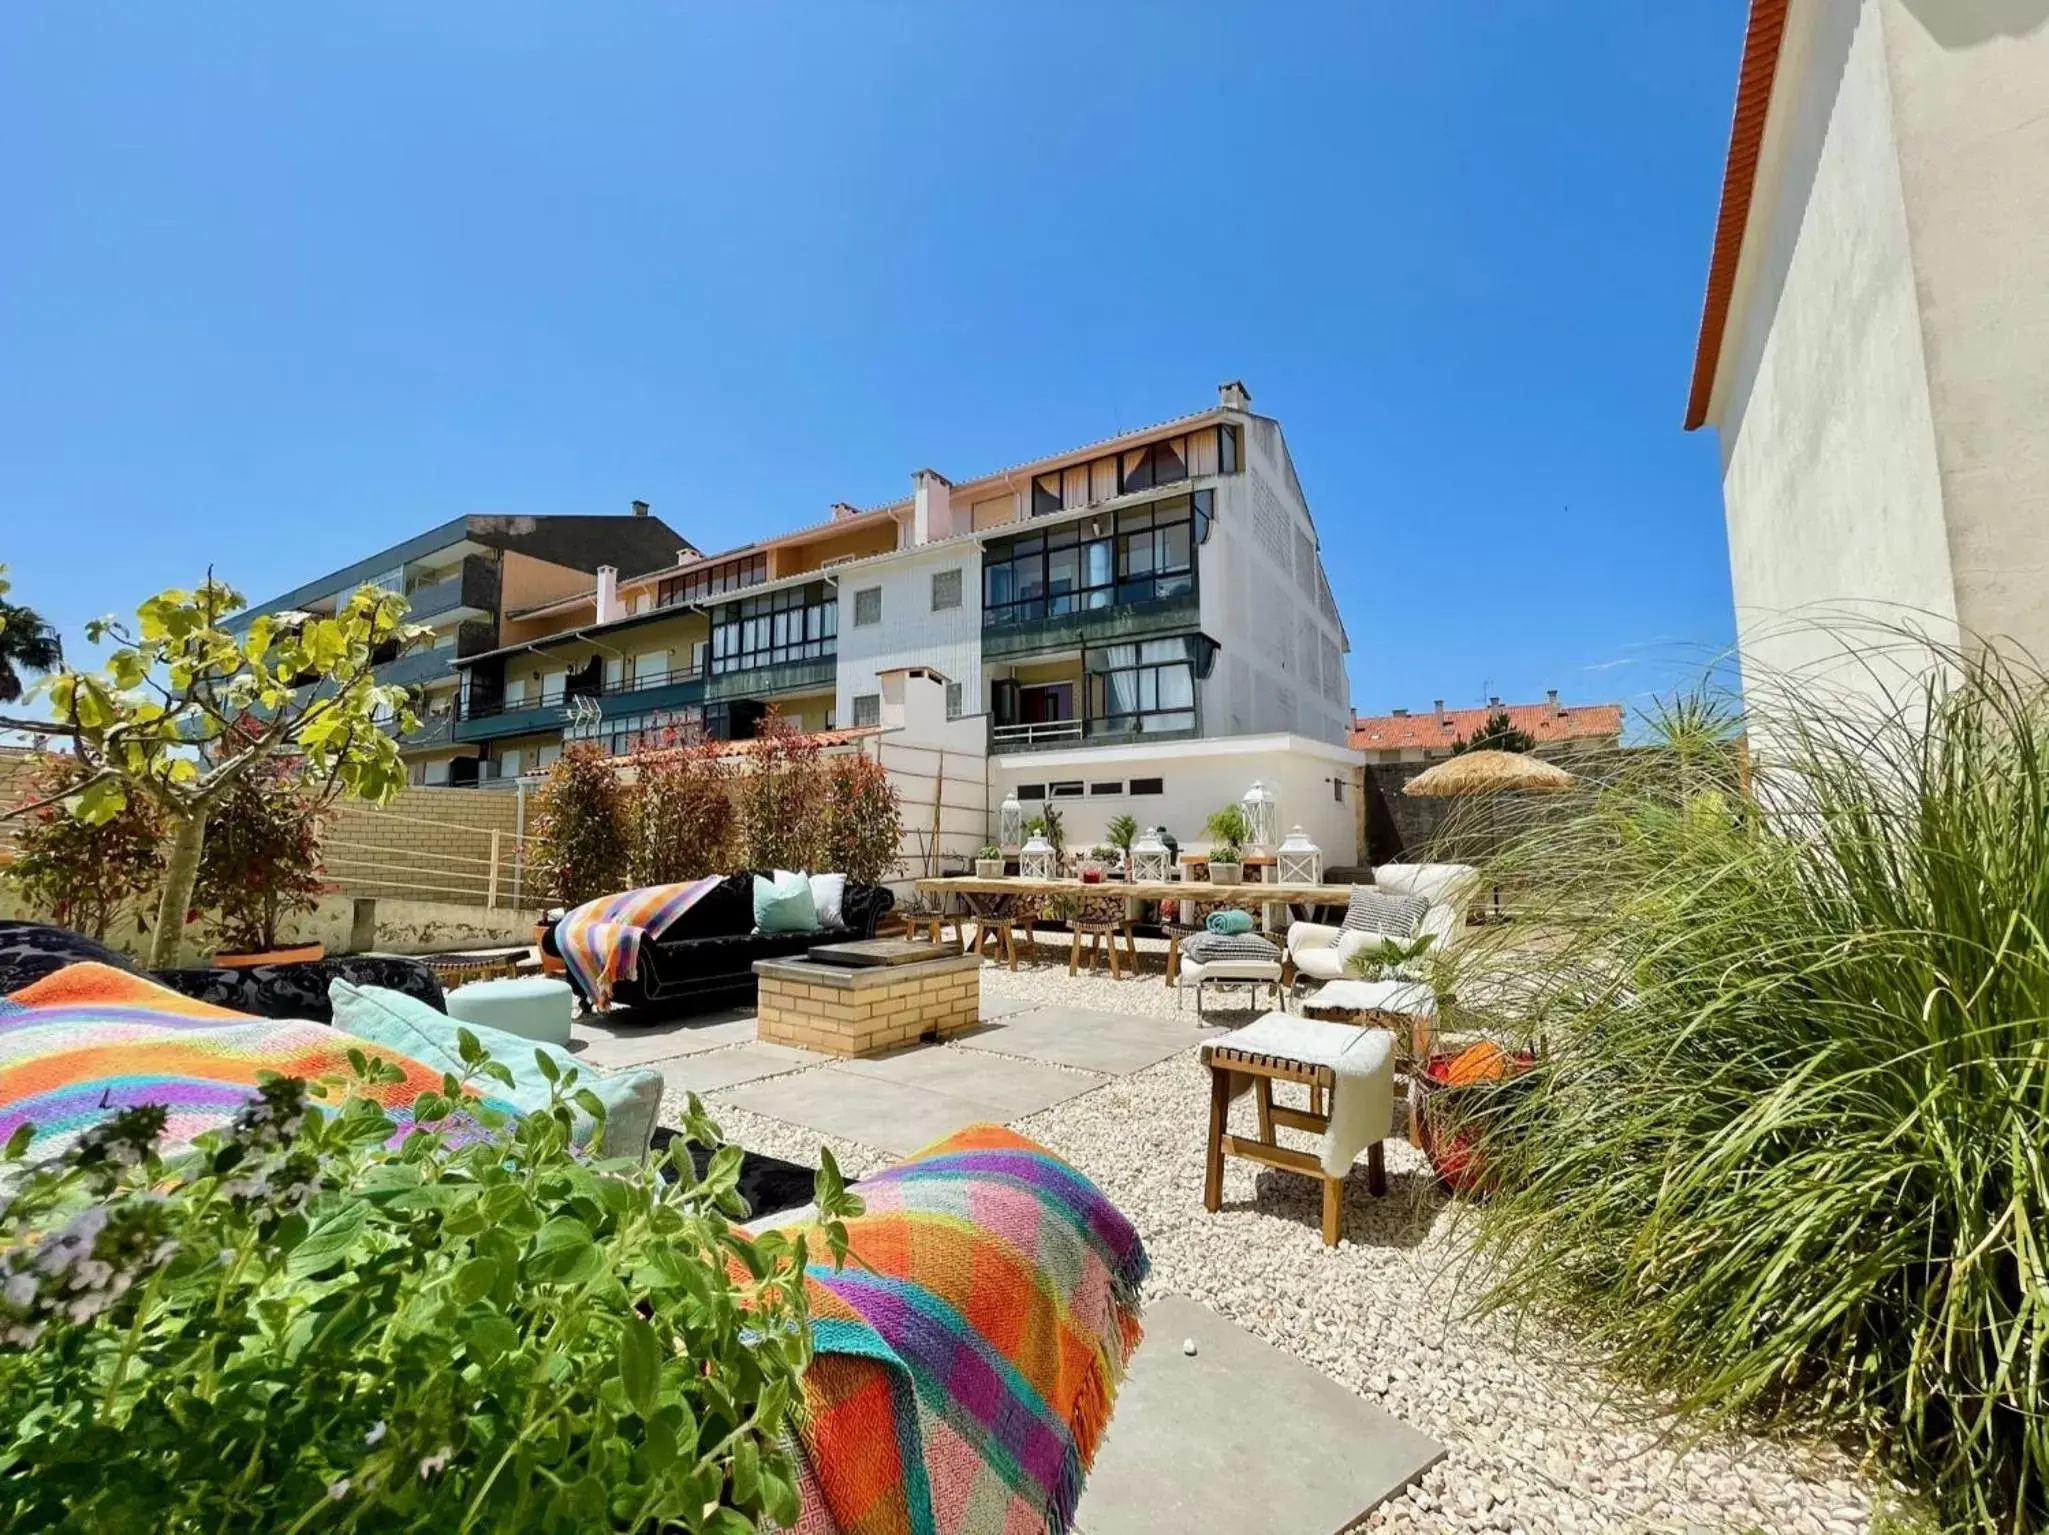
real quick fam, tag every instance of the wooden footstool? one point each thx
(1297, 1050)
(932, 927)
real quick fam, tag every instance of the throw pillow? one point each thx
(632, 1099)
(783, 904)
(1392, 916)
(827, 893)
(1206, 948)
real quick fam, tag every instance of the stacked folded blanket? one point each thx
(600, 940)
(969, 1353)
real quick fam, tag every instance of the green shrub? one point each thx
(91, 876)
(1790, 1144)
(681, 813)
(260, 862)
(782, 792)
(583, 827)
(860, 826)
(294, 1327)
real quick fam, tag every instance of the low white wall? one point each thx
(1196, 778)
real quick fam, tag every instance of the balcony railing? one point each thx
(557, 697)
(1042, 733)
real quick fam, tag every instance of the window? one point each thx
(798, 623)
(1069, 788)
(1148, 786)
(1031, 791)
(623, 734)
(945, 589)
(1213, 450)
(1112, 787)
(867, 606)
(1147, 688)
(1141, 554)
(713, 580)
(953, 699)
(867, 709)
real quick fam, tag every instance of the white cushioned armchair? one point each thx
(1320, 951)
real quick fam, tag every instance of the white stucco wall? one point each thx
(910, 633)
(1970, 94)
(1197, 777)
(1281, 668)
(1829, 462)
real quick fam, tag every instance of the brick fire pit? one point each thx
(867, 1010)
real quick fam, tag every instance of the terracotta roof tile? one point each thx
(1575, 722)
(1761, 44)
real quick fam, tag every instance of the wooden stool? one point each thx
(1003, 931)
(1101, 920)
(1265, 1070)
(932, 925)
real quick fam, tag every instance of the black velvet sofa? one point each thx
(709, 951)
(31, 950)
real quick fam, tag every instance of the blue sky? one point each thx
(284, 283)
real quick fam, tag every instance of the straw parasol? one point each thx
(1487, 772)
(1472, 774)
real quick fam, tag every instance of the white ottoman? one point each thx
(533, 1007)
(1249, 973)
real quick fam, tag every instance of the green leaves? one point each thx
(503, 1335)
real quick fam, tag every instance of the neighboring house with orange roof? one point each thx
(1873, 342)
(1427, 735)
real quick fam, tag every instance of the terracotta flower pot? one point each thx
(296, 954)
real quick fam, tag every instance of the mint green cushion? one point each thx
(783, 904)
(411, 1027)
(534, 1007)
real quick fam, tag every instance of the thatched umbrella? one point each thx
(1486, 772)
(1472, 774)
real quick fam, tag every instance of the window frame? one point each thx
(959, 589)
(869, 704)
(717, 579)
(867, 596)
(797, 623)
(1104, 570)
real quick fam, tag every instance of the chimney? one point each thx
(1551, 703)
(609, 609)
(1233, 395)
(685, 556)
(841, 510)
(1440, 712)
(640, 508)
(931, 506)
(1494, 702)
(1401, 714)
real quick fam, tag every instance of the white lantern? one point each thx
(1010, 824)
(1150, 860)
(1037, 858)
(1301, 861)
(1262, 814)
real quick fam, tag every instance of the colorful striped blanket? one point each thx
(88, 1040)
(600, 940)
(969, 1354)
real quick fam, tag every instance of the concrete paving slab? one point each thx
(892, 1116)
(995, 1007)
(1184, 1453)
(1117, 1043)
(707, 1071)
(614, 1046)
(1017, 1087)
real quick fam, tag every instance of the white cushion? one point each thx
(1193, 971)
(1441, 884)
(827, 892)
(1320, 964)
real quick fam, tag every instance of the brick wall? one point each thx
(431, 844)
(870, 1011)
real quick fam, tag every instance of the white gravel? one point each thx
(1537, 1443)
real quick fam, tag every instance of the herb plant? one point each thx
(298, 1327)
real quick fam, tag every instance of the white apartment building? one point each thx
(1132, 627)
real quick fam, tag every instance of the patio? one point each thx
(1362, 1343)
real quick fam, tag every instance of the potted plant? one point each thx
(1120, 833)
(1228, 833)
(260, 863)
(989, 862)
